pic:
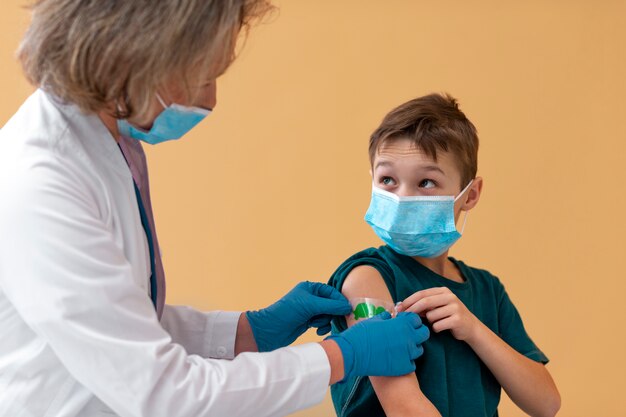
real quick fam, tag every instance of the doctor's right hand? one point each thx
(382, 346)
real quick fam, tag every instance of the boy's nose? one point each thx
(405, 191)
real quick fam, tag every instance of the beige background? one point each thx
(273, 187)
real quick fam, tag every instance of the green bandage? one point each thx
(367, 310)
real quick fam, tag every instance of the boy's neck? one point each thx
(443, 266)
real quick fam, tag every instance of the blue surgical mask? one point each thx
(421, 226)
(172, 123)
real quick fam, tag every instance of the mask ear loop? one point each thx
(199, 110)
(466, 212)
(464, 221)
(464, 190)
(161, 100)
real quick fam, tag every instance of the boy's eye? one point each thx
(427, 184)
(386, 181)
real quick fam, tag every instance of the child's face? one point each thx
(400, 168)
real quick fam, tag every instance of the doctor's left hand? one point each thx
(308, 304)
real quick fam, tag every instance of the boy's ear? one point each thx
(473, 194)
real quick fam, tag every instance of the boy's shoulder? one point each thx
(374, 257)
(371, 254)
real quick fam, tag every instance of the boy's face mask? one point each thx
(172, 123)
(421, 226)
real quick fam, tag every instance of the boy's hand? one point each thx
(443, 309)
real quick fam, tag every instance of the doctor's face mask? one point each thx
(172, 123)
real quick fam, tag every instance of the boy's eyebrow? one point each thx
(433, 168)
(382, 164)
(426, 168)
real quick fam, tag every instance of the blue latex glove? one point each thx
(309, 304)
(382, 346)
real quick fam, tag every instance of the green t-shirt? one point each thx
(450, 374)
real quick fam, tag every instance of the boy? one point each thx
(424, 163)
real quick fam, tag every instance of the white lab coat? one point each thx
(78, 333)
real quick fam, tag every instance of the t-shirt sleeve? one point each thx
(367, 257)
(512, 331)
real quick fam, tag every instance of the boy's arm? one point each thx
(527, 382)
(399, 396)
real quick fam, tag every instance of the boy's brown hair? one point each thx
(434, 123)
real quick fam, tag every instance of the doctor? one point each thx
(84, 328)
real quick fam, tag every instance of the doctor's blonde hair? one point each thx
(95, 53)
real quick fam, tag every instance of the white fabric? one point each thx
(78, 333)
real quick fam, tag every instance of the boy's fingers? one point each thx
(429, 303)
(440, 313)
(414, 298)
(441, 325)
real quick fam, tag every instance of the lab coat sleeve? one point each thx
(208, 334)
(70, 282)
